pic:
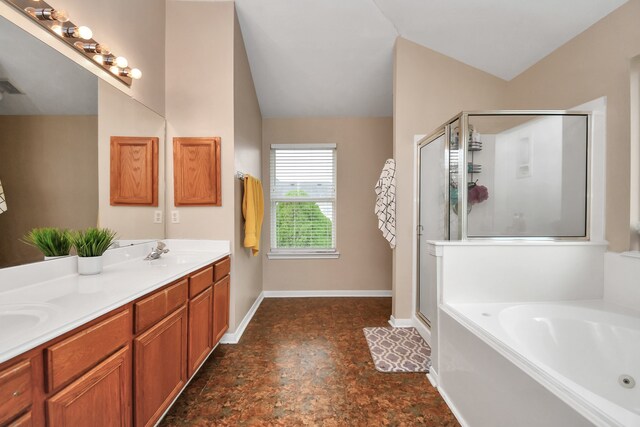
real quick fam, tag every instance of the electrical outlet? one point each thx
(175, 217)
(157, 217)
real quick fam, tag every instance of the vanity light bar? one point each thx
(80, 37)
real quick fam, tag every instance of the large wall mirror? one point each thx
(56, 121)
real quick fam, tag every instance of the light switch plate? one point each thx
(175, 217)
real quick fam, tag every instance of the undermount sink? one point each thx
(15, 319)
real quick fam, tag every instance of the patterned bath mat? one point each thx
(398, 349)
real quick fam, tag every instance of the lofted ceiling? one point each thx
(335, 57)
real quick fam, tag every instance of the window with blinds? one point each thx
(303, 198)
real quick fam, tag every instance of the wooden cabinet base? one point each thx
(221, 294)
(160, 367)
(200, 329)
(101, 397)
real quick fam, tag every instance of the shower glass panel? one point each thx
(454, 159)
(527, 176)
(432, 219)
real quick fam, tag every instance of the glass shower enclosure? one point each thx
(502, 175)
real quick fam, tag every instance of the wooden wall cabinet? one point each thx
(160, 367)
(134, 171)
(196, 172)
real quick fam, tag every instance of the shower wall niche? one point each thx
(512, 175)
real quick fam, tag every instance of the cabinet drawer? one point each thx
(200, 281)
(82, 351)
(15, 390)
(23, 421)
(221, 269)
(151, 309)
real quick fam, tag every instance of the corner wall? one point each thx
(248, 156)
(596, 63)
(429, 88)
(210, 92)
(363, 145)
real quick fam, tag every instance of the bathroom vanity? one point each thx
(116, 348)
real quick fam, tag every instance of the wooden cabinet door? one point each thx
(200, 328)
(221, 291)
(160, 367)
(101, 397)
(134, 171)
(196, 172)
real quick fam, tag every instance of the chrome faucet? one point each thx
(157, 251)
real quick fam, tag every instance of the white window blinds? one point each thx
(303, 197)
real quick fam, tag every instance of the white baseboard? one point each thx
(234, 337)
(454, 409)
(432, 376)
(320, 294)
(400, 323)
(422, 329)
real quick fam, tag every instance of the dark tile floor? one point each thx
(305, 362)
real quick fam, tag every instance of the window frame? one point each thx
(303, 253)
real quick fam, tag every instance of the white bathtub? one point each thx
(578, 350)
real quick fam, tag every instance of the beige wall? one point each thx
(596, 63)
(247, 150)
(210, 92)
(120, 115)
(200, 103)
(363, 145)
(48, 168)
(133, 29)
(429, 88)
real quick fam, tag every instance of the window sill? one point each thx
(303, 255)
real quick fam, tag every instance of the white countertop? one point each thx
(42, 301)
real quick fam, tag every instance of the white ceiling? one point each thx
(334, 57)
(52, 84)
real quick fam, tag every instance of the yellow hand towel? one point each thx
(253, 212)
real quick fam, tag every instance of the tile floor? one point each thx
(305, 362)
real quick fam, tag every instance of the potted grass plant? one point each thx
(90, 245)
(52, 242)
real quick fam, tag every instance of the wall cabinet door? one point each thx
(196, 172)
(221, 292)
(200, 328)
(101, 397)
(134, 171)
(160, 367)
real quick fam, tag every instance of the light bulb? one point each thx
(98, 58)
(85, 33)
(57, 29)
(115, 70)
(122, 62)
(136, 74)
(60, 15)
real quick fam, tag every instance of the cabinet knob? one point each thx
(16, 393)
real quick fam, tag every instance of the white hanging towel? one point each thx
(3, 200)
(386, 202)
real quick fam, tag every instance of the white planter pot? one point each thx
(89, 265)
